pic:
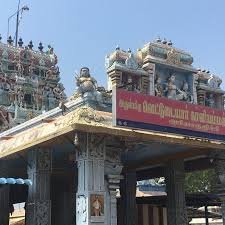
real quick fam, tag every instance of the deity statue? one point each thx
(59, 91)
(85, 82)
(97, 206)
(158, 87)
(214, 81)
(5, 83)
(5, 119)
(12, 95)
(184, 94)
(20, 68)
(210, 101)
(171, 88)
(20, 97)
(52, 73)
(38, 99)
(130, 85)
(45, 93)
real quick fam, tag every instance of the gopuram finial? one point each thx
(10, 40)
(40, 47)
(20, 42)
(30, 45)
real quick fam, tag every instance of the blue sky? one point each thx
(83, 32)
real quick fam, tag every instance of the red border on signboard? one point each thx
(139, 110)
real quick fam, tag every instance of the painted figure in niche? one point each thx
(97, 205)
(171, 88)
(184, 94)
(158, 87)
(210, 101)
(130, 85)
(20, 68)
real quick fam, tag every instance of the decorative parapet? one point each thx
(164, 52)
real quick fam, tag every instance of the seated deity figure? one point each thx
(158, 87)
(85, 82)
(171, 88)
(130, 85)
(184, 94)
(88, 87)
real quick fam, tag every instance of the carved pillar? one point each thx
(115, 79)
(201, 97)
(113, 168)
(38, 206)
(4, 196)
(219, 165)
(195, 84)
(91, 191)
(128, 198)
(176, 205)
(150, 69)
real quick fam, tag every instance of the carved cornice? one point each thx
(89, 120)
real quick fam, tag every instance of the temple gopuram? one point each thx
(29, 82)
(82, 157)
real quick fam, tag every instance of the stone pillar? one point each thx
(113, 168)
(114, 79)
(150, 68)
(128, 198)
(91, 190)
(176, 204)
(201, 97)
(195, 84)
(4, 197)
(38, 206)
(219, 165)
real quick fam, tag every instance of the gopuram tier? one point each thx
(29, 82)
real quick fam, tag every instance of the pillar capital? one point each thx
(89, 146)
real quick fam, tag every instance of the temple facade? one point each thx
(29, 82)
(158, 117)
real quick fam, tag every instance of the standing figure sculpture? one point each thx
(171, 88)
(97, 207)
(158, 87)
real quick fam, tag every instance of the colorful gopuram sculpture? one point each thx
(165, 71)
(29, 82)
